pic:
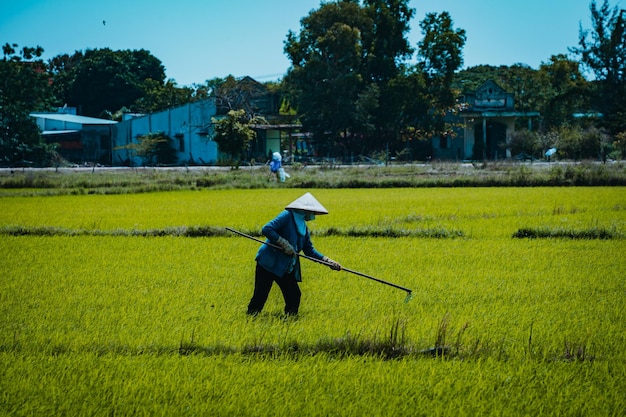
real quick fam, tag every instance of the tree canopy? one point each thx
(351, 81)
(233, 133)
(23, 89)
(602, 50)
(101, 81)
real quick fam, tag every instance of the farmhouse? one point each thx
(81, 139)
(484, 126)
(190, 127)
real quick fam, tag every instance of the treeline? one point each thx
(351, 84)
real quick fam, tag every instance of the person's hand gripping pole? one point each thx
(287, 248)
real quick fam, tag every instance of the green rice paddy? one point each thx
(119, 323)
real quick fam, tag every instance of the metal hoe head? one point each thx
(409, 297)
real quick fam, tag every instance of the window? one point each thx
(181, 141)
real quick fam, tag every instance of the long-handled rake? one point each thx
(409, 292)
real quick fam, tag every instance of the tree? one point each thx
(62, 69)
(602, 50)
(567, 91)
(23, 89)
(233, 94)
(159, 96)
(348, 62)
(525, 142)
(101, 81)
(440, 55)
(619, 145)
(326, 74)
(153, 148)
(388, 46)
(386, 92)
(233, 133)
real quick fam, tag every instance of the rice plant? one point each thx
(135, 304)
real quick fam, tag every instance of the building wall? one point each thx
(448, 148)
(50, 124)
(189, 127)
(96, 141)
(81, 139)
(273, 141)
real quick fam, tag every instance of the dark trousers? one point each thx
(263, 280)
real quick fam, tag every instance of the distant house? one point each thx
(82, 139)
(252, 96)
(279, 134)
(487, 122)
(188, 126)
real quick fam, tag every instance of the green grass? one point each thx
(101, 323)
(142, 180)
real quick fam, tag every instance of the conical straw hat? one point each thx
(307, 203)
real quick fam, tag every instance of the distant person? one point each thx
(275, 166)
(289, 231)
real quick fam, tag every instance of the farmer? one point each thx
(276, 166)
(288, 231)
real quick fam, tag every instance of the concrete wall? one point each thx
(189, 127)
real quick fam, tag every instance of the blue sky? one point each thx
(200, 40)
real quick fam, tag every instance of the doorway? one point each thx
(494, 147)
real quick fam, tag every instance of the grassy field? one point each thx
(77, 181)
(109, 322)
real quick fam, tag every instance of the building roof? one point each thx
(58, 132)
(72, 118)
(495, 113)
(270, 126)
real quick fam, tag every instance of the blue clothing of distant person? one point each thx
(276, 167)
(289, 232)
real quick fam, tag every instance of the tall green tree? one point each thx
(440, 55)
(567, 91)
(602, 50)
(326, 75)
(529, 86)
(386, 90)
(101, 81)
(234, 132)
(159, 96)
(387, 47)
(348, 69)
(23, 89)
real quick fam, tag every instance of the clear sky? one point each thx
(197, 40)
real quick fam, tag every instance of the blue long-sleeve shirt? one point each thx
(275, 260)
